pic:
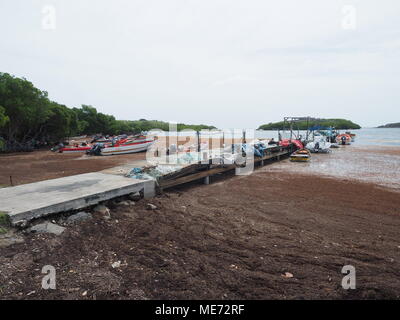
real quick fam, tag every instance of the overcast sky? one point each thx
(228, 63)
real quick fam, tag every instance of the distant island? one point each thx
(340, 124)
(391, 125)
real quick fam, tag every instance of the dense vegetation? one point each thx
(147, 125)
(28, 118)
(391, 125)
(303, 125)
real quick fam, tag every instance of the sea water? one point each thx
(364, 137)
(374, 157)
(378, 136)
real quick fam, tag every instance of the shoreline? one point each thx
(344, 162)
(233, 239)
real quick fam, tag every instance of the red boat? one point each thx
(74, 148)
(343, 139)
(288, 142)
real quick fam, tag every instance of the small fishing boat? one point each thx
(343, 139)
(352, 135)
(302, 155)
(127, 147)
(335, 145)
(80, 149)
(319, 145)
(288, 142)
(121, 147)
(75, 148)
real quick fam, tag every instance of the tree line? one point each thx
(391, 125)
(340, 124)
(28, 118)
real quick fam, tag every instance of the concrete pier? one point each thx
(35, 200)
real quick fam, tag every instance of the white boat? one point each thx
(335, 145)
(319, 145)
(127, 147)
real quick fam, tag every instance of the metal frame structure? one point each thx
(292, 120)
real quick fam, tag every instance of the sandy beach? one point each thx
(28, 167)
(233, 239)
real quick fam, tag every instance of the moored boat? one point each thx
(288, 142)
(352, 135)
(302, 155)
(319, 145)
(75, 148)
(79, 149)
(127, 147)
(335, 145)
(343, 139)
(121, 147)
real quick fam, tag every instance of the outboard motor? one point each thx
(96, 149)
(257, 151)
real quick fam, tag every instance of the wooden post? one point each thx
(198, 146)
(210, 146)
(233, 141)
(223, 147)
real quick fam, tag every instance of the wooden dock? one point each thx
(32, 201)
(197, 171)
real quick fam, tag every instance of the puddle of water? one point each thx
(350, 162)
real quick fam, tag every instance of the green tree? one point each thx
(26, 107)
(91, 122)
(27, 117)
(61, 123)
(3, 117)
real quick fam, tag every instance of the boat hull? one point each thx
(74, 150)
(128, 148)
(324, 151)
(302, 155)
(343, 139)
(299, 159)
